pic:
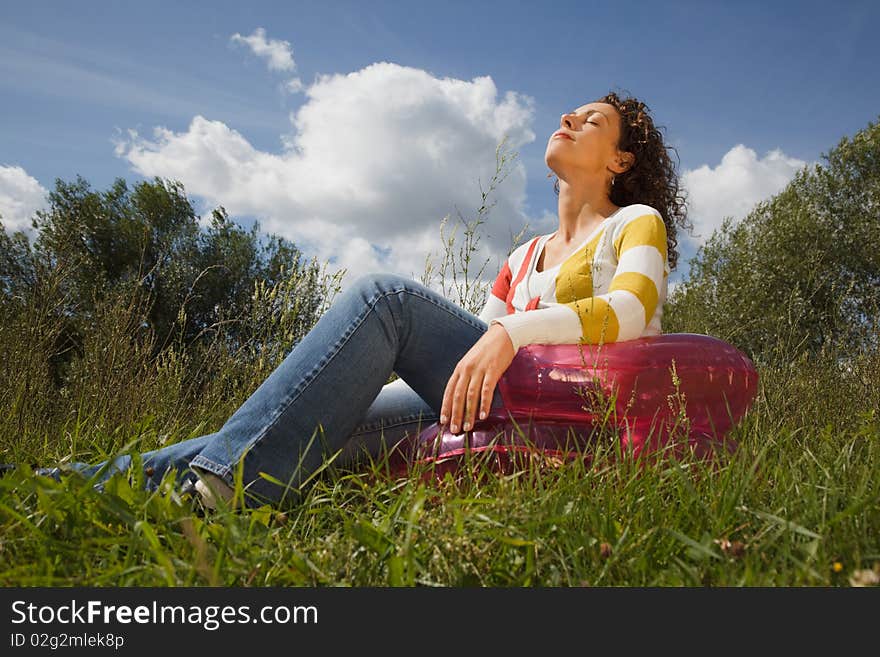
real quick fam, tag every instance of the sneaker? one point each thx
(210, 487)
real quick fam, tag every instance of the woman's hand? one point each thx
(472, 384)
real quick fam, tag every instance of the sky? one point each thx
(354, 128)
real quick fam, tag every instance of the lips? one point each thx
(562, 134)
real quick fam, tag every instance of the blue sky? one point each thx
(747, 92)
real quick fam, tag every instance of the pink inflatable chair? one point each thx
(675, 391)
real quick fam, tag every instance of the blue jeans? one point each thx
(328, 395)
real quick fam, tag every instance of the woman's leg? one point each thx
(155, 463)
(396, 413)
(442, 334)
(313, 402)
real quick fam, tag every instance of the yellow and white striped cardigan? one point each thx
(611, 288)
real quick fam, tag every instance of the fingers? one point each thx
(474, 387)
(446, 406)
(467, 397)
(486, 396)
(454, 399)
(458, 402)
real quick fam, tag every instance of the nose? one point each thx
(565, 121)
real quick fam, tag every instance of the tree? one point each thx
(147, 240)
(801, 272)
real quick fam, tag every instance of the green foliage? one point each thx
(126, 308)
(792, 507)
(801, 272)
(146, 244)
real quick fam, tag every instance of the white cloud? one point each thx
(277, 53)
(21, 195)
(375, 159)
(734, 186)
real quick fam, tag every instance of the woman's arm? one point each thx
(496, 302)
(620, 314)
(494, 307)
(471, 387)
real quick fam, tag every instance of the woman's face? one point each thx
(586, 141)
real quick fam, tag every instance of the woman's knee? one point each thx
(380, 281)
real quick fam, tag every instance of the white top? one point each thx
(539, 280)
(611, 288)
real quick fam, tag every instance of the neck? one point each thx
(581, 209)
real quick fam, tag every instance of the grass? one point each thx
(792, 507)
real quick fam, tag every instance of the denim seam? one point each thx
(224, 470)
(409, 419)
(218, 469)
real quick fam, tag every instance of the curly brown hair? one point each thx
(652, 178)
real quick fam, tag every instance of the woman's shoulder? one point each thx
(641, 222)
(635, 210)
(635, 215)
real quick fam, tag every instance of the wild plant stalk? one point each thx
(458, 282)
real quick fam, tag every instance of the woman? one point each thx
(600, 277)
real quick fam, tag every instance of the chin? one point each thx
(555, 156)
(554, 162)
